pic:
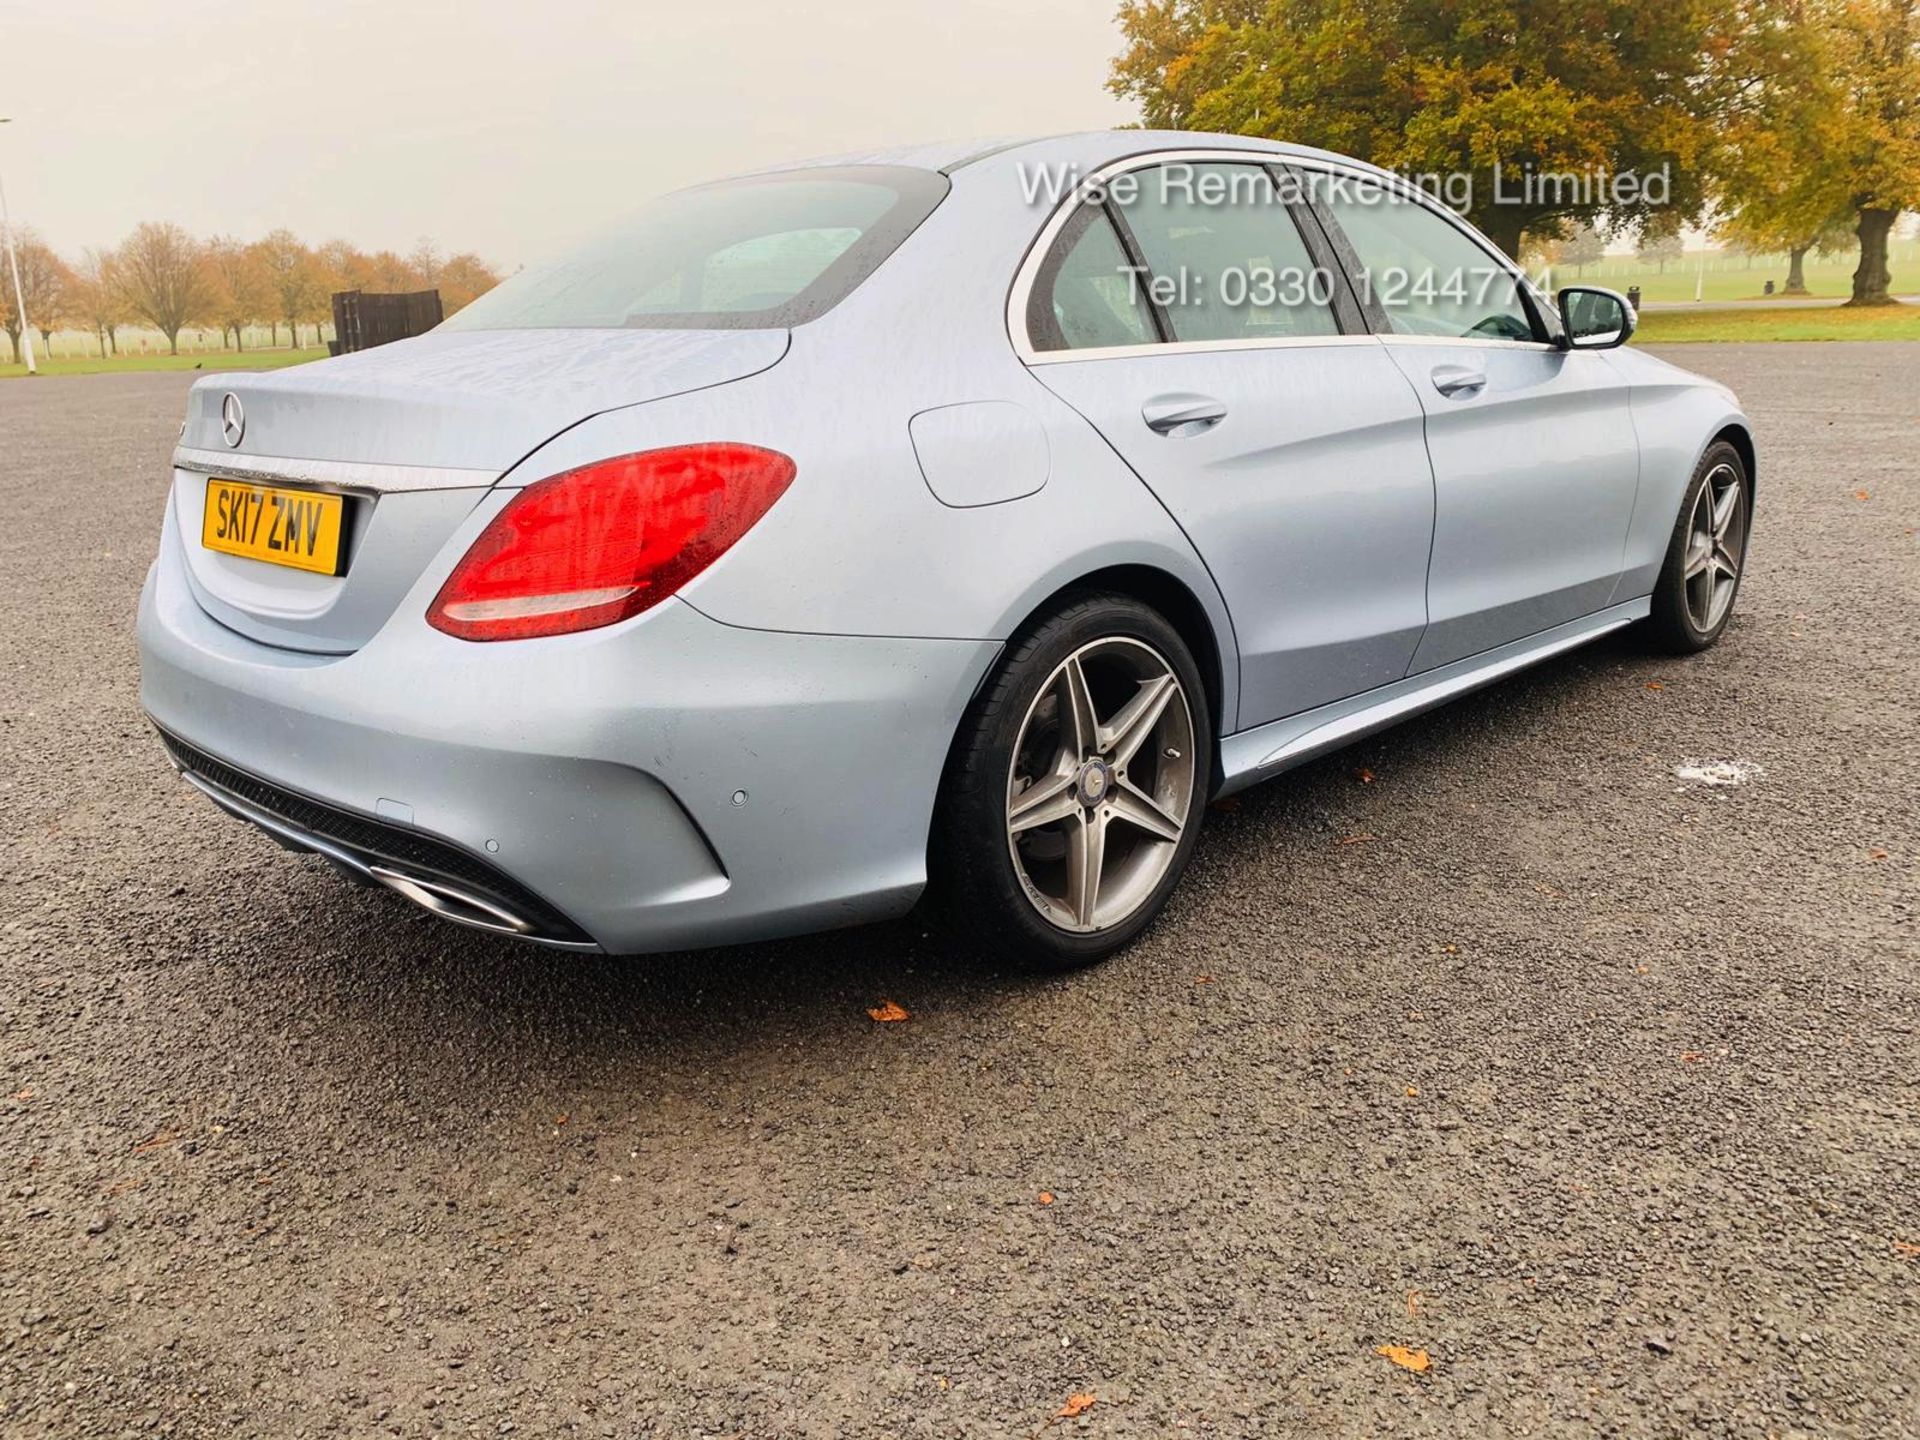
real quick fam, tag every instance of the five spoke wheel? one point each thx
(1101, 785)
(1716, 539)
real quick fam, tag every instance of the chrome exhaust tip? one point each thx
(450, 902)
(433, 891)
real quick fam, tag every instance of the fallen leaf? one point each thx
(1876, 853)
(1203, 979)
(1363, 775)
(1413, 1092)
(888, 1013)
(1862, 495)
(1691, 1057)
(1641, 969)
(1076, 1405)
(1655, 685)
(559, 1119)
(1359, 839)
(1046, 1197)
(1413, 1303)
(1906, 1249)
(1417, 1361)
(26, 1094)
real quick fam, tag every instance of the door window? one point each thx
(1088, 294)
(1227, 260)
(1427, 274)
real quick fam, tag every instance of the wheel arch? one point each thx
(1741, 438)
(1170, 596)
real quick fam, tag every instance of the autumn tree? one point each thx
(464, 278)
(162, 279)
(425, 262)
(1658, 247)
(238, 292)
(1757, 230)
(96, 297)
(56, 307)
(1778, 153)
(1826, 130)
(391, 274)
(343, 265)
(1479, 88)
(44, 280)
(293, 279)
(1875, 49)
(1582, 246)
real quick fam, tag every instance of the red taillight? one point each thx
(603, 542)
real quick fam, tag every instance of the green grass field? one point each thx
(115, 364)
(1657, 327)
(1891, 322)
(1728, 279)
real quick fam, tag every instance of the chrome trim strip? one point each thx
(353, 476)
(1490, 343)
(1199, 347)
(1396, 184)
(1037, 253)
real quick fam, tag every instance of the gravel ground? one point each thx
(1491, 1038)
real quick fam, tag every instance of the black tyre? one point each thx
(1693, 599)
(1073, 796)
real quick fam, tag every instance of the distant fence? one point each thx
(362, 321)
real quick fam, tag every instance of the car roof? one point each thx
(1087, 148)
(942, 155)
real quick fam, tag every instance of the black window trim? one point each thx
(1137, 257)
(1349, 313)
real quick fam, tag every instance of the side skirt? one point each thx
(1267, 750)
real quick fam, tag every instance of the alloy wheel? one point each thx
(1716, 542)
(1101, 787)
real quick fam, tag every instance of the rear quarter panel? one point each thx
(860, 544)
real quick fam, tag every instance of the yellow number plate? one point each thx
(300, 528)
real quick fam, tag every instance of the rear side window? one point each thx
(1087, 295)
(1428, 275)
(767, 251)
(1227, 259)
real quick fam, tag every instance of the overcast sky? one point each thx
(500, 126)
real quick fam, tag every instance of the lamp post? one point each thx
(13, 263)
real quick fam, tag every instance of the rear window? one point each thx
(763, 252)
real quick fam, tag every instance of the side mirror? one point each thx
(1595, 319)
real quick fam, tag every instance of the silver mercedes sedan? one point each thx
(947, 523)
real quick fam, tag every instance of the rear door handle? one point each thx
(1179, 415)
(1458, 380)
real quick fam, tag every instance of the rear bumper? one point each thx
(664, 783)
